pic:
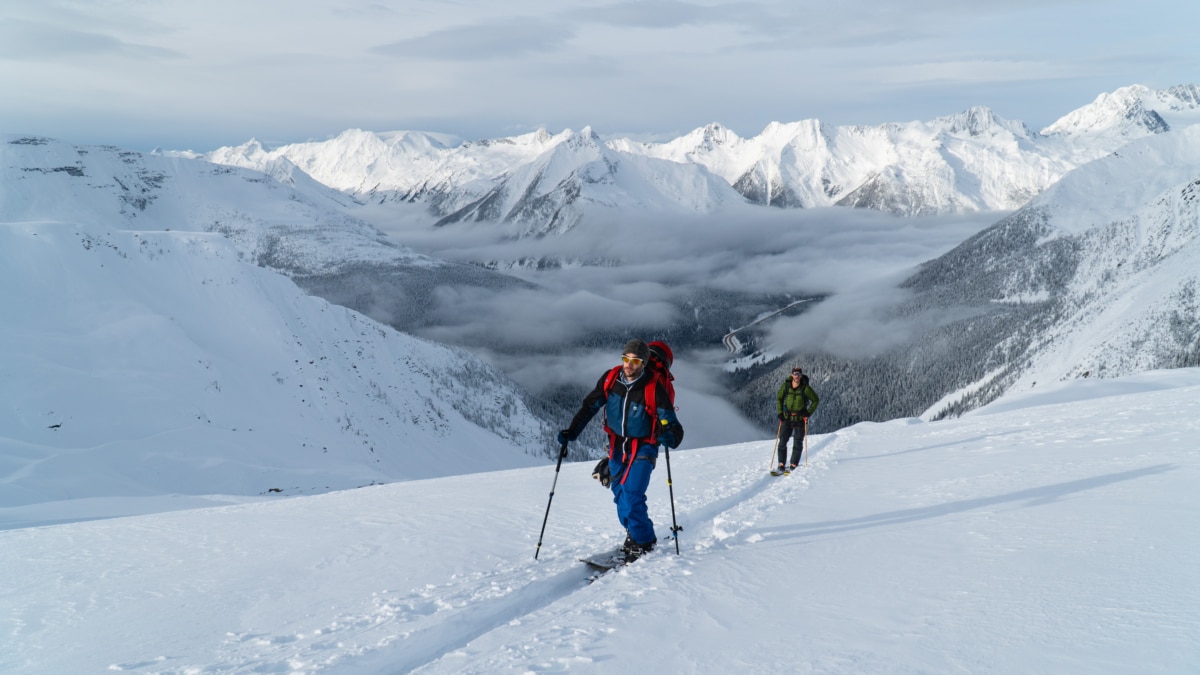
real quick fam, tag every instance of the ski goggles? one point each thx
(631, 360)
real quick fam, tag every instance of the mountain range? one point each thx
(541, 183)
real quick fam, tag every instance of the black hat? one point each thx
(637, 348)
(796, 370)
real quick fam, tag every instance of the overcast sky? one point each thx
(182, 74)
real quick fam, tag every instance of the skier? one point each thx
(795, 403)
(638, 416)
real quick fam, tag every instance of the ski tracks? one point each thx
(398, 632)
(425, 629)
(733, 506)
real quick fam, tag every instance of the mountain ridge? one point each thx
(971, 161)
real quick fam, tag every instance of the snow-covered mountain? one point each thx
(536, 183)
(540, 183)
(285, 220)
(1097, 277)
(145, 350)
(292, 222)
(972, 161)
(1047, 533)
(557, 189)
(968, 162)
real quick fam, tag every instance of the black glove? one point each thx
(565, 436)
(601, 474)
(782, 417)
(667, 437)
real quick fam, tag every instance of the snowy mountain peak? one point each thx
(1181, 97)
(579, 173)
(584, 138)
(1122, 112)
(714, 134)
(981, 121)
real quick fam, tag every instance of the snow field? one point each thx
(1052, 533)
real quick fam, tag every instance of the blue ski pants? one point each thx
(629, 494)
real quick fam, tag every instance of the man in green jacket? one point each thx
(795, 402)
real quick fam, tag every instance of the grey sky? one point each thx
(181, 74)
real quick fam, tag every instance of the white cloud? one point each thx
(34, 41)
(856, 255)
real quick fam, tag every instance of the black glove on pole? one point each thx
(562, 453)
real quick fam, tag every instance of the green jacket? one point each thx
(798, 401)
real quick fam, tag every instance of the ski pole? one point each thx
(675, 528)
(805, 441)
(562, 453)
(774, 448)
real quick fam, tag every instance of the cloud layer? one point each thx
(633, 270)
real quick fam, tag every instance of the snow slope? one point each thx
(1047, 533)
(143, 352)
(141, 363)
(291, 222)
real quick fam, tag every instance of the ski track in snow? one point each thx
(415, 631)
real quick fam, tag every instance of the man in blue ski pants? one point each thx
(638, 416)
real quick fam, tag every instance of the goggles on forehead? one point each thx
(631, 360)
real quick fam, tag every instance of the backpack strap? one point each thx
(610, 378)
(651, 408)
(608, 385)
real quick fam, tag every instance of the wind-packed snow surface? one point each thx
(1048, 533)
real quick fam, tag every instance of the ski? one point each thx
(606, 561)
(603, 563)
